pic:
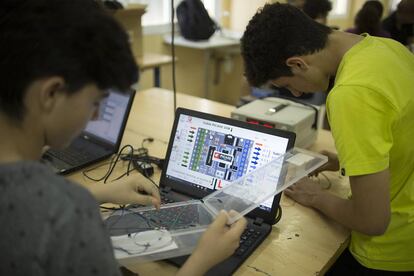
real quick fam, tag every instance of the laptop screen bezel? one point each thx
(267, 216)
(114, 147)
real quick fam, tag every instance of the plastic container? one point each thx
(146, 234)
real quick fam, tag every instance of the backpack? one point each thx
(194, 21)
(113, 5)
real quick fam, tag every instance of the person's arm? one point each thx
(78, 243)
(132, 189)
(217, 243)
(368, 211)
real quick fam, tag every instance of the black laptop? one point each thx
(206, 153)
(100, 139)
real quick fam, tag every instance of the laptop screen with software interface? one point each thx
(209, 155)
(111, 117)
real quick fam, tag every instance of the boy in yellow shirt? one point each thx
(371, 113)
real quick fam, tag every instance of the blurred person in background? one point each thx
(368, 20)
(400, 23)
(318, 10)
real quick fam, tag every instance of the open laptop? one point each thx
(206, 153)
(100, 139)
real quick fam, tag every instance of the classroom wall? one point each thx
(244, 11)
(240, 11)
(354, 6)
(190, 64)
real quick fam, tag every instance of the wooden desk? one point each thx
(211, 46)
(154, 61)
(304, 242)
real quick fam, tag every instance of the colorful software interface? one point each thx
(111, 115)
(210, 155)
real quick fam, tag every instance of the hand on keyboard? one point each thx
(217, 243)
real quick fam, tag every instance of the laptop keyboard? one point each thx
(168, 219)
(129, 220)
(70, 156)
(165, 199)
(179, 217)
(250, 236)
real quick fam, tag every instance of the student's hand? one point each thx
(45, 149)
(304, 191)
(331, 165)
(131, 189)
(217, 244)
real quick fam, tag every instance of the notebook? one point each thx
(206, 153)
(100, 139)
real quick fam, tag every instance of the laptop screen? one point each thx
(112, 112)
(208, 155)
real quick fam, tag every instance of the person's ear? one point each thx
(51, 89)
(297, 64)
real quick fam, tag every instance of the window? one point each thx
(393, 4)
(339, 8)
(159, 11)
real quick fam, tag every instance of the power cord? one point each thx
(112, 163)
(278, 214)
(138, 159)
(142, 161)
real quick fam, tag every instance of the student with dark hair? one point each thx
(375, 4)
(317, 10)
(370, 109)
(57, 58)
(297, 3)
(368, 20)
(400, 23)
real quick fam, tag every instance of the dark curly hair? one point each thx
(74, 39)
(367, 20)
(317, 8)
(275, 33)
(377, 5)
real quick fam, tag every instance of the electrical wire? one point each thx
(173, 54)
(153, 182)
(140, 154)
(149, 139)
(278, 214)
(329, 181)
(112, 163)
(152, 221)
(116, 161)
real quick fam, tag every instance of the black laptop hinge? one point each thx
(258, 221)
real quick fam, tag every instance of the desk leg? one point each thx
(207, 56)
(157, 77)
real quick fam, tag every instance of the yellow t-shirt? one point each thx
(371, 113)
